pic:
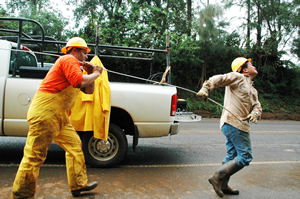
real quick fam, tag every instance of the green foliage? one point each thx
(296, 47)
(207, 51)
(2, 12)
(296, 23)
(206, 26)
(142, 24)
(51, 20)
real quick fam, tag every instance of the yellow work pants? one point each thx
(48, 121)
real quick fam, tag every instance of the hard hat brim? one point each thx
(65, 49)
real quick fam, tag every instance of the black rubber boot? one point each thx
(224, 172)
(227, 189)
(89, 187)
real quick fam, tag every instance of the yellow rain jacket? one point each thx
(91, 111)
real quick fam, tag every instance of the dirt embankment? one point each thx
(265, 116)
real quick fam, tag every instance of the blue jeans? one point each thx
(238, 144)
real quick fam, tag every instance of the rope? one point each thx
(18, 50)
(139, 78)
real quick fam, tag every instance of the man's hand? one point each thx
(88, 82)
(87, 66)
(98, 68)
(252, 117)
(203, 93)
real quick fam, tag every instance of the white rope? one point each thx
(139, 78)
(19, 50)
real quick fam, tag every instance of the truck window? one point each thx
(25, 59)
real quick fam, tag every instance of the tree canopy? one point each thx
(200, 44)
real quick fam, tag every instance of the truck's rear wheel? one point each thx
(101, 153)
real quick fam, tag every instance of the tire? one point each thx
(101, 153)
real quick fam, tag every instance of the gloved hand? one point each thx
(203, 93)
(252, 117)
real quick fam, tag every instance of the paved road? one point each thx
(176, 166)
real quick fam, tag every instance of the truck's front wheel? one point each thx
(101, 153)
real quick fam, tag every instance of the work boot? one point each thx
(227, 189)
(225, 171)
(89, 187)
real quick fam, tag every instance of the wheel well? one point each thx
(121, 118)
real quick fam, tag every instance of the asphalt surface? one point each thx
(176, 166)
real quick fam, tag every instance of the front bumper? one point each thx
(175, 128)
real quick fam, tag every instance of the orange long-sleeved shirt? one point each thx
(65, 72)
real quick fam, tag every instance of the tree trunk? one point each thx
(248, 25)
(259, 23)
(189, 17)
(203, 75)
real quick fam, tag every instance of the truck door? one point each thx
(19, 93)
(18, 97)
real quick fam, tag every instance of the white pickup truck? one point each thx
(137, 110)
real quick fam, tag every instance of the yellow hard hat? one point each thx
(237, 63)
(75, 42)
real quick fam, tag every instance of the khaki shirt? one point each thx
(241, 98)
